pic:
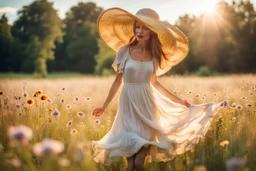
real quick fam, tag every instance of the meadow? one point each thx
(46, 124)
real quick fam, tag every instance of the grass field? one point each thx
(60, 109)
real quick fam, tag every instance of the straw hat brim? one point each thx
(115, 27)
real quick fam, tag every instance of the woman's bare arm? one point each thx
(165, 92)
(112, 92)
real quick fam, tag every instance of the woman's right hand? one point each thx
(98, 111)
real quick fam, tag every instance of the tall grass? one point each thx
(228, 145)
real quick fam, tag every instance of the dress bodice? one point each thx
(137, 72)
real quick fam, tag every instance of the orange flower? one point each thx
(44, 97)
(30, 101)
(36, 93)
(50, 109)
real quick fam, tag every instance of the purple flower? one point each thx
(69, 123)
(97, 121)
(224, 104)
(55, 112)
(20, 134)
(48, 147)
(235, 163)
(80, 114)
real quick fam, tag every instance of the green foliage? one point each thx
(104, 59)
(6, 43)
(38, 28)
(223, 41)
(204, 71)
(77, 52)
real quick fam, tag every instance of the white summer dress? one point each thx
(146, 118)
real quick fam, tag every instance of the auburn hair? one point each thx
(154, 46)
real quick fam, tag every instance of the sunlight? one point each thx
(210, 10)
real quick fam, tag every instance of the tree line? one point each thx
(40, 42)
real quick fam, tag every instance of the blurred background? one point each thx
(43, 37)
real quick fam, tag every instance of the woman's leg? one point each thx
(140, 158)
(130, 161)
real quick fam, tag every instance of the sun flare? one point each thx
(210, 10)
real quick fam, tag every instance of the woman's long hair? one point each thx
(154, 46)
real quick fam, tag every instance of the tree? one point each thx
(104, 59)
(37, 29)
(77, 51)
(223, 41)
(6, 40)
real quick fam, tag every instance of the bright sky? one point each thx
(168, 10)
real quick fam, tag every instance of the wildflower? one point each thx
(214, 94)
(64, 162)
(44, 97)
(197, 95)
(17, 98)
(239, 107)
(249, 105)
(20, 135)
(55, 112)
(244, 98)
(80, 114)
(79, 155)
(30, 101)
(1, 93)
(233, 119)
(235, 163)
(63, 88)
(190, 92)
(49, 100)
(62, 100)
(233, 105)
(26, 108)
(36, 93)
(25, 94)
(224, 143)
(18, 106)
(48, 147)
(224, 104)
(69, 123)
(76, 98)
(97, 121)
(68, 106)
(73, 131)
(88, 98)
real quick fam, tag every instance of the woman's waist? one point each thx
(137, 83)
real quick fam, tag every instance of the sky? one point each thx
(168, 10)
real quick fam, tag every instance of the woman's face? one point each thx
(142, 33)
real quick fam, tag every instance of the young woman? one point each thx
(151, 121)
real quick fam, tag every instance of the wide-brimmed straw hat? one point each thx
(115, 27)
